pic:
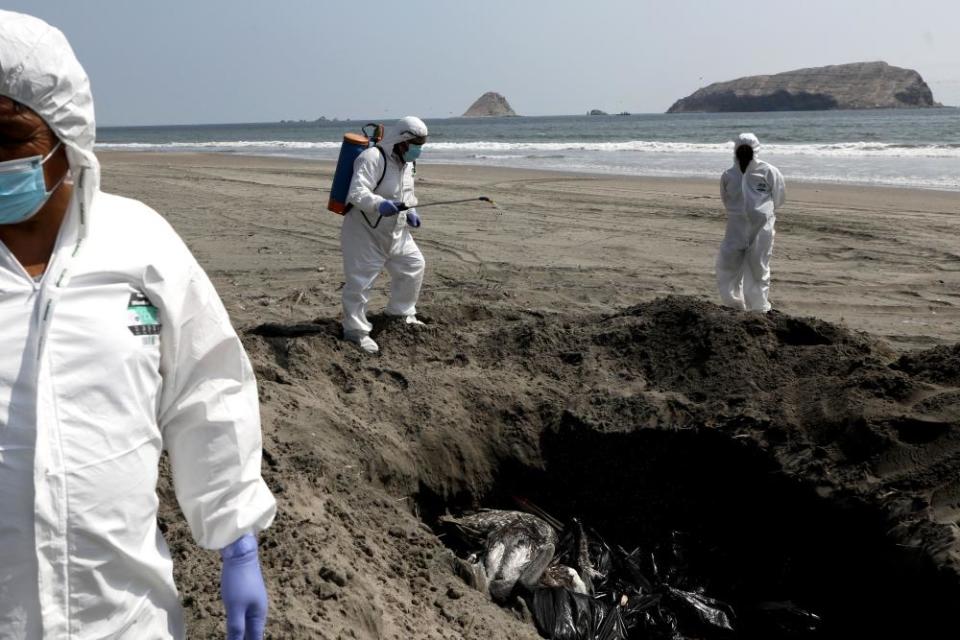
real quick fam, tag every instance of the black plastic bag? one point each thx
(697, 611)
(560, 614)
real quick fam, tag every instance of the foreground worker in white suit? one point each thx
(115, 347)
(376, 230)
(752, 191)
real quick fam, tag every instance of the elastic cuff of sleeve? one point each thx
(242, 546)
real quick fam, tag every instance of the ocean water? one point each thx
(911, 148)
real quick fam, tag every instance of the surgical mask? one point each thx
(23, 190)
(412, 152)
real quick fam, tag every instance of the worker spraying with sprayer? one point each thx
(373, 189)
(379, 215)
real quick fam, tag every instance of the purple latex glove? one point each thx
(389, 208)
(242, 589)
(413, 219)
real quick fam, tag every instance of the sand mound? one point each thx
(812, 461)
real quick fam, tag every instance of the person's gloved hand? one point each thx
(389, 208)
(242, 589)
(413, 219)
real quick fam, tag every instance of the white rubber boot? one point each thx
(364, 341)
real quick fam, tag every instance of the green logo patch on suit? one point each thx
(144, 318)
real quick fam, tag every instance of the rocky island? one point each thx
(489, 105)
(861, 85)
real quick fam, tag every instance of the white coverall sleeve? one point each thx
(779, 189)
(724, 195)
(209, 414)
(367, 169)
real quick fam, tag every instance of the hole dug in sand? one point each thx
(794, 458)
(751, 538)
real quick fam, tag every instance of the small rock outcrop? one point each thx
(597, 112)
(861, 85)
(490, 104)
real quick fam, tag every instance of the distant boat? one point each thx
(624, 113)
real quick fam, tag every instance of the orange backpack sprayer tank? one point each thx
(353, 145)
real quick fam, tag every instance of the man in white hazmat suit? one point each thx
(376, 230)
(115, 346)
(752, 191)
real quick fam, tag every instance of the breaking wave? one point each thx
(483, 150)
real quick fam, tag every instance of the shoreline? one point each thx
(801, 185)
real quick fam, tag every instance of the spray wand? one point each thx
(434, 204)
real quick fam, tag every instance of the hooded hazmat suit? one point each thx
(366, 250)
(121, 350)
(751, 199)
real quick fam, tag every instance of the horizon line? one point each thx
(529, 115)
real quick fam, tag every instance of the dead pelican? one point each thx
(518, 548)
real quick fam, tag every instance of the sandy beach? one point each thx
(551, 319)
(874, 259)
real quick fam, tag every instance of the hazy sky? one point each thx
(206, 61)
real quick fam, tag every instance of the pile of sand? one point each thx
(817, 463)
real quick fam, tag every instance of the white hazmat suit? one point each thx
(121, 350)
(751, 199)
(367, 250)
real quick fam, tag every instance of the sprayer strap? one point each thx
(383, 154)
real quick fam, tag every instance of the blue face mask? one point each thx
(412, 152)
(23, 190)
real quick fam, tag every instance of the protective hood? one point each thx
(746, 140)
(38, 69)
(404, 129)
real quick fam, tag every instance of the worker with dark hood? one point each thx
(752, 191)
